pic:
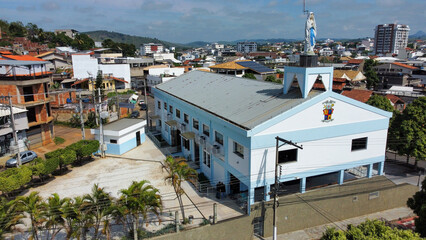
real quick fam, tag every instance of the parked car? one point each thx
(134, 114)
(26, 157)
(141, 102)
(143, 107)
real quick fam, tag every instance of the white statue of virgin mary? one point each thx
(310, 34)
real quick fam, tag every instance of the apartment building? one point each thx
(246, 47)
(389, 38)
(27, 79)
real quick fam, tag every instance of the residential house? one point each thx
(27, 79)
(363, 96)
(159, 75)
(397, 74)
(241, 67)
(56, 61)
(228, 126)
(353, 78)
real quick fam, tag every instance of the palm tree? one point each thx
(81, 221)
(98, 205)
(35, 207)
(9, 216)
(140, 198)
(179, 171)
(68, 215)
(54, 220)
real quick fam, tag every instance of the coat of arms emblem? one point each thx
(328, 110)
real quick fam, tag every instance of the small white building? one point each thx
(150, 48)
(122, 135)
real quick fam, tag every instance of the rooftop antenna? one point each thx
(305, 11)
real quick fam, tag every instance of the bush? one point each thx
(14, 178)
(37, 167)
(50, 165)
(91, 120)
(58, 140)
(63, 156)
(84, 148)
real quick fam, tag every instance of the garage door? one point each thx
(34, 137)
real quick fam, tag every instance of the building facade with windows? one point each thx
(228, 127)
(389, 38)
(27, 79)
(151, 48)
(246, 47)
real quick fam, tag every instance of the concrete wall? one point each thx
(300, 211)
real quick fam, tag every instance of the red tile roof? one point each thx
(5, 52)
(355, 61)
(338, 84)
(394, 99)
(22, 58)
(357, 94)
(404, 65)
(81, 81)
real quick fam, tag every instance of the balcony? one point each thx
(32, 124)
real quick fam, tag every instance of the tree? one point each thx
(84, 148)
(408, 132)
(99, 84)
(178, 172)
(54, 221)
(8, 216)
(35, 207)
(14, 178)
(82, 42)
(249, 75)
(37, 168)
(370, 229)
(99, 204)
(63, 156)
(380, 102)
(371, 75)
(91, 120)
(418, 204)
(140, 198)
(17, 29)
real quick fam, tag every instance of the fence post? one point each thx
(177, 221)
(214, 213)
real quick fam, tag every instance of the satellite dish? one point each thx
(104, 115)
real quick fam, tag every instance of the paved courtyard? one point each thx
(142, 163)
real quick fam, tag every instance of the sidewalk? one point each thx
(392, 156)
(316, 232)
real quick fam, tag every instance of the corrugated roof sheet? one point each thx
(22, 58)
(229, 65)
(5, 110)
(241, 101)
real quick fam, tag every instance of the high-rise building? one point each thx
(389, 38)
(150, 48)
(246, 47)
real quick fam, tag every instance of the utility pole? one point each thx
(94, 99)
(146, 104)
(83, 134)
(15, 136)
(101, 128)
(116, 101)
(277, 180)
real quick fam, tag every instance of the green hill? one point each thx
(99, 36)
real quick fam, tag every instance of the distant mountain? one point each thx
(418, 35)
(99, 36)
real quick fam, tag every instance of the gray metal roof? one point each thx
(244, 102)
(122, 124)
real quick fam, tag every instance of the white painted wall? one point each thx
(344, 113)
(170, 71)
(318, 154)
(218, 175)
(84, 66)
(240, 164)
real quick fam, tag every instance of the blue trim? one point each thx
(319, 171)
(118, 149)
(303, 185)
(266, 141)
(299, 108)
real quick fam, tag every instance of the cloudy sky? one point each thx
(185, 21)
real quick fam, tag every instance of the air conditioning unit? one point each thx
(216, 149)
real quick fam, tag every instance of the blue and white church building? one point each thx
(228, 127)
